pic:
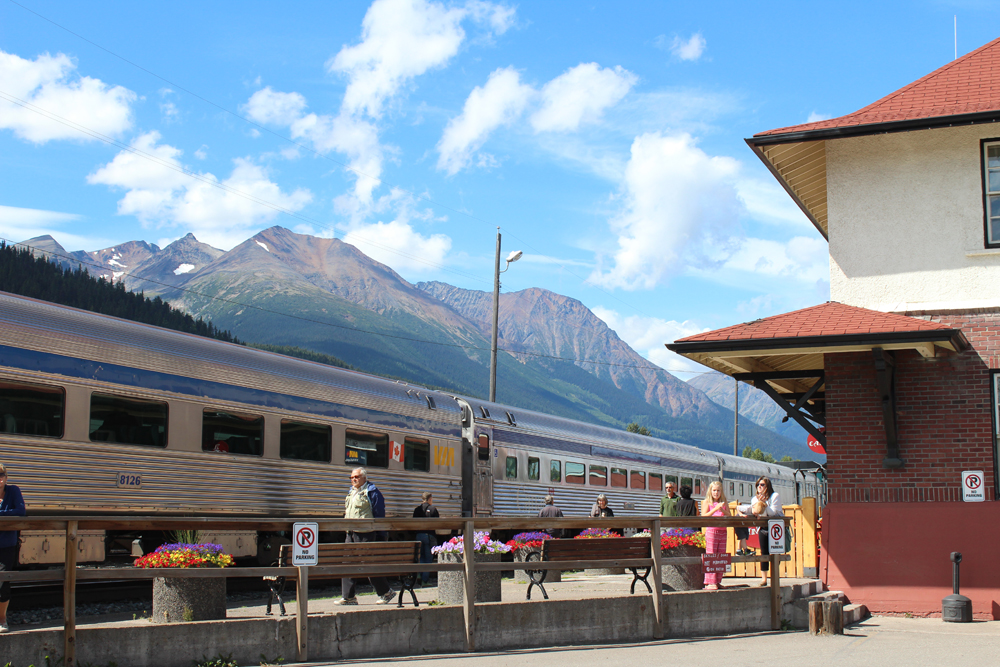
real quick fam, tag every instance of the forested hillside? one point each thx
(23, 273)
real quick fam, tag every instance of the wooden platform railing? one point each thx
(70, 574)
(804, 554)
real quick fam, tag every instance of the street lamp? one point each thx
(511, 258)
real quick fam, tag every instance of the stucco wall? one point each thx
(905, 212)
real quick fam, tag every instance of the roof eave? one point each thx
(784, 184)
(954, 337)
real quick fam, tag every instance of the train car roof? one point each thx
(69, 332)
(600, 436)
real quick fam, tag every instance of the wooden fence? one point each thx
(70, 573)
(804, 554)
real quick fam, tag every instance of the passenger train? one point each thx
(100, 415)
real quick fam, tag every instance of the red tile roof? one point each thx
(969, 84)
(827, 319)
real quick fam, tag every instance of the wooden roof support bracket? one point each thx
(885, 370)
(800, 412)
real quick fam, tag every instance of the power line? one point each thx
(314, 151)
(320, 322)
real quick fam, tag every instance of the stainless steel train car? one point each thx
(102, 415)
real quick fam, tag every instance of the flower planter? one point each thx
(682, 577)
(177, 600)
(520, 577)
(451, 585)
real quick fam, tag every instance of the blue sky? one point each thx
(605, 139)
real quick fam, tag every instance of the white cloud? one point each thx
(579, 96)
(499, 17)
(51, 84)
(499, 102)
(398, 245)
(20, 224)
(679, 206)
(804, 259)
(202, 152)
(649, 335)
(690, 49)
(815, 117)
(159, 195)
(767, 202)
(267, 106)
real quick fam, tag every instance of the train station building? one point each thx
(901, 367)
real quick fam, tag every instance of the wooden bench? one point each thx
(605, 548)
(353, 553)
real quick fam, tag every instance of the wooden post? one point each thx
(815, 616)
(469, 604)
(302, 614)
(807, 532)
(654, 539)
(69, 597)
(775, 590)
(833, 617)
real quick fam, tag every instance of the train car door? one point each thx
(482, 488)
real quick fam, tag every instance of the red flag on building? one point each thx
(397, 451)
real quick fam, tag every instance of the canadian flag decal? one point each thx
(397, 451)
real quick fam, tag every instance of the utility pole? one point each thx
(736, 419)
(496, 320)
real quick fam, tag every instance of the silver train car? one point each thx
(100, 415)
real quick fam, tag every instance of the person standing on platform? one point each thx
(668, 504)
(11, 504)
(771, 509)
(426, 510)
(686, 506)
(600, 510)
(550, 511)
(715, 504)
(364, 501)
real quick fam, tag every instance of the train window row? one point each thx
(599, 475)
(38, 410)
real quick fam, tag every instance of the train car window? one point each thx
(366, 449)
(688, 481)
(598, 475)
(555, 471)
(697, 485)
(732, 489)
(741, 489)
(655, 482)
(484, 447)
(32, 409)
(301, 441)
(232, 432)
(510, 470)
(637, 480)
(619, 477)
(575, 473)
(671, 478)
(534, 468)
(128, 421)
(416, 454)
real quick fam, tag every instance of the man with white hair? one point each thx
(364, 501)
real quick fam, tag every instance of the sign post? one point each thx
(305, 544)
(973, 486)
(776, 536)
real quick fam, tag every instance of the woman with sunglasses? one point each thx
(771, 509)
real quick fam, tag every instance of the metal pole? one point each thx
(658, 609)
(469, 602)
(302, 614)
(496, 320)
(775, 590)
(736, 419)
(69, 597)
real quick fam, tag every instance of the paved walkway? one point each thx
(882, 641)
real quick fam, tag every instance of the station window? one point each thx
(638, 480)
(534, 468)
(510, 470)
(129, 421)
(598, 475)
(369, 450)
(575, 473)
(655, 482)
(416, 454)
(555, 471)
(991, 192)
(32, 409)
(302, 441)
(619, 477)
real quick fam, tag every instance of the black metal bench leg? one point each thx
(636, 577)
(407, 583)
(533, 580)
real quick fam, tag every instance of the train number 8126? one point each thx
(124, 479)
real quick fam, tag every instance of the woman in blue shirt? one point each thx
(11, 504)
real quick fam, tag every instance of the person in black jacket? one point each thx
(426, 510)
(686, 506)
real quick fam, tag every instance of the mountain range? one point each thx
(283, 288)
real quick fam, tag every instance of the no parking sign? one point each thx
(973, 486)
(305, 544)
(776, 536)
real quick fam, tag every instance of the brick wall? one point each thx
(944, 420)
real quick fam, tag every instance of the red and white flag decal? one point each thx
(397, 451)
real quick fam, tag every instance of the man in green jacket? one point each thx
(668, 504)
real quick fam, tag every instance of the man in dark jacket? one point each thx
(550, 511)
(426, 510)
(11, 504)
